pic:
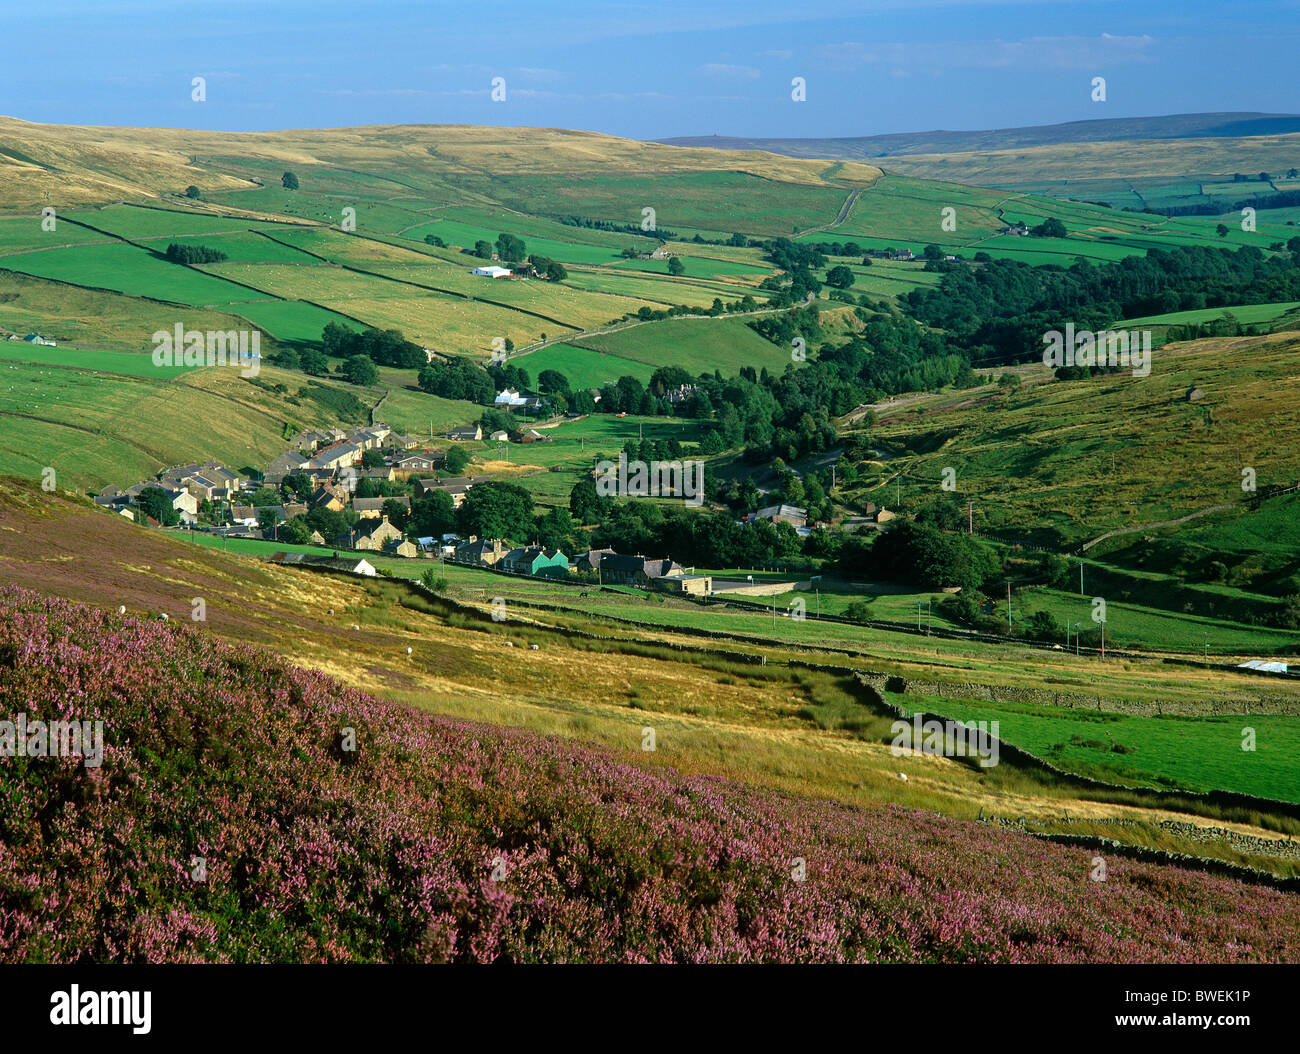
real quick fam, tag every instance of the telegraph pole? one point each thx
(972, 517)
(1080, 578)
(1009, 633)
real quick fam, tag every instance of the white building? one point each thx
(510, 397)
(493, 271)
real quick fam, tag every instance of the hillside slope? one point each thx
(232, 820)
(43, 164)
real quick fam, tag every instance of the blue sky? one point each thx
(645, 70)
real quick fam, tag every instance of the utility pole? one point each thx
(1080, 578)
(918, 616)
(1009, 607)
(1076, 638)
(1103, 640)
(971, 511)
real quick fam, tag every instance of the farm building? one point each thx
(486, 552)
(333, 563)
(534, 560)
(1263, 666)
(791, 514)
(691, 585)
(492, 271)
(637, 570)
(589, 562)
(373, 508)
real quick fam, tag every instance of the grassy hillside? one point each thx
(779, 725)
(71, 164)
(368, 832)
(1068, 461)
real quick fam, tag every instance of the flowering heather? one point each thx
(313, 852)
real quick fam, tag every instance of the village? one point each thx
(351, 493)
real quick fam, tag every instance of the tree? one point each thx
(555, 530)
(1042, 626)
(396, 513)
(372, 459)
(840, 277)
(295, 531)
(586, 502)
(360, 369)
(192, 192)
(434, 516)
(1049, 228)
(457, 459)
(457, 379)
(155, 503)
(289, 181)
(1221, 231)
(510, 248)
(314, 363)
(494, 509)
(435, 241)
(675, 266)
(555, 272)
(552, 381)
(483, 249)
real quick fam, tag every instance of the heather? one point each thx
(446, 841)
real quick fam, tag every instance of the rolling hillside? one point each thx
(1064, 462)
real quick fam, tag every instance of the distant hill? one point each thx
(1176, 126)
(44, 164)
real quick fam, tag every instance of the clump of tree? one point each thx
(545, 267)
(289, 181)
(387, 347)
(193, 254)
(457, 379)
(510, 248)
(193, 193)
(1049, 228)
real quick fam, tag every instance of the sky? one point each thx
(644, 70)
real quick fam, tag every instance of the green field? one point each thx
(1246, 314)
(724, 344)
(1199, 753)
(583, 367)
(126, 268)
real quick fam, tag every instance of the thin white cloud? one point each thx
(729, 72)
